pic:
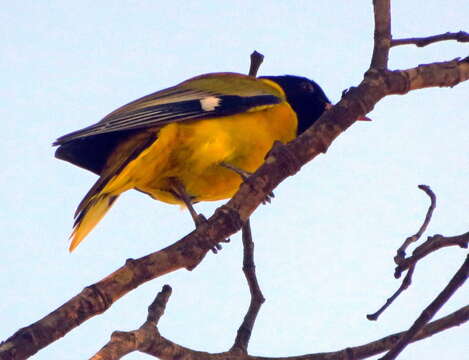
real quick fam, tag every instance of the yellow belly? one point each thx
(192, 153)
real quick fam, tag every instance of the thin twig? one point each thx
(256, 61)
(404, 286)
(458, 280)
(460, 36)
(382, 34)
(401, 251)
(257, 299)
(401, 254)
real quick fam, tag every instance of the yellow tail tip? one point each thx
(76, 240)
(72, 247)
(89, 217)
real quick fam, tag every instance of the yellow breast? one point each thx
(192, 152)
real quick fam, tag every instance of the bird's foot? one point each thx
(200, 219)
(217, 247)
(268, 198)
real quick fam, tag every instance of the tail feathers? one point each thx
(89, 213)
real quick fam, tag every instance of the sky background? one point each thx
(324, 247)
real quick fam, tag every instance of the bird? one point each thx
(190, 142)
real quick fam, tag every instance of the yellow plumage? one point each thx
(192, 152)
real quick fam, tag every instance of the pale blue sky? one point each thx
(324, 247)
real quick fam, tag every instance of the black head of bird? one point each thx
(305, 96)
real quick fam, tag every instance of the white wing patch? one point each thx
(209, 103)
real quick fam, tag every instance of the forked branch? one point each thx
(401, 253)
(125, 342)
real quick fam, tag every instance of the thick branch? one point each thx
(460, 36)
(382, 35)
(283, 161)
(438, 74)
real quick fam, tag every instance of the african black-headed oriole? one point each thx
(171, 144)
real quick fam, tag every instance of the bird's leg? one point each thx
(245, 175)
(180, 192)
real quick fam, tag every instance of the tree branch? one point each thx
(257, 299)
(438, 74)
(401, 253)
(460, 36)
(457, 281)
(167, 350)
(376, 347)
(125, 342)
(404, 286)
(382, 34)
(433, 243)
(256, 61)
